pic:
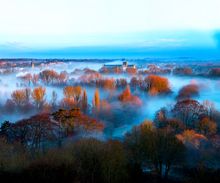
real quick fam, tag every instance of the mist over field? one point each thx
(109, 91)
(209, 88)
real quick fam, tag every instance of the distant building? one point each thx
(124, 66)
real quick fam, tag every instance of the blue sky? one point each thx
(36, 25)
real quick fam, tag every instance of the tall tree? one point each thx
(38, 95)
(84, 101)
(96, 100)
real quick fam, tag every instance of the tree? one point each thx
(84, 101)
(4, 129)
(35, 79)
(127, 97)
(121, 83)
(13, 157)
(88, 155)
(97, 161)
(19, 97)
(207, 127)
(146, 145)
(189, 112)
(68, 92)
(188, 91)
(183, 71)
(33, 132)
(28, 95)
(73, 92)
(96, 101)
(71, 121)
(38, 95)
(77, 93)
(156, 84)
(215, 72)
(191, 139)
(210, 109)
(135, 82)
(114, 163)
(48, 76)
(161, 118)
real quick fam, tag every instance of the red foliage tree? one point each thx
(127, 97)
(188, 91)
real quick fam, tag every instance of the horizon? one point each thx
(107, 29)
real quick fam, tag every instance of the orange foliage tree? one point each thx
(131, 70)
(207, 127)
(38, 95)
(96, 100)
(73, 120)
(73, 92)
(191, 138)
(156, 84)
(19, 97)
(127, 97)
(84, 103)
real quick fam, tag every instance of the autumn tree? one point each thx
(210, 109)
(163, 120)
(96, 100)
(121, 82)
(189, 112)
(73, 120)
(38, 94)
(63, 77)
(73, 92)
(156, 84)
(19, 97)
(132, 71)
(33, 132)
(35, 79)
(207, 127)
(127, 97)
(188, 91)
(191, 139)
(84, 101)
(77, 93)
(183, 71)
(68, 92)
(48, 76)
(136, 82)
(158, 147)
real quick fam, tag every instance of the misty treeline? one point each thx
(63, 140)
(178, 146)
(181, 144)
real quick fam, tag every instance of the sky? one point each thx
(58, 24)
